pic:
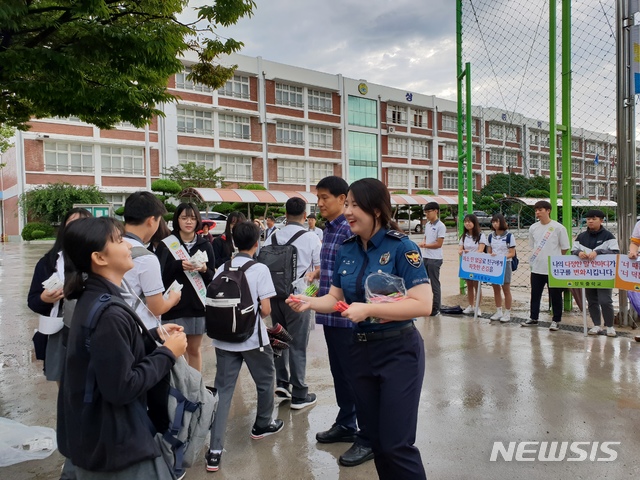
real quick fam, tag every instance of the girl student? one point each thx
(387, 352)
(501, 242)
(174, 253)
(223, 246)
(108, 436)
(472, 241)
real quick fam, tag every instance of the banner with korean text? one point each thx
(570, 271)
(628, 274)
(482, 267)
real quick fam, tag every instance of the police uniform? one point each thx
(388, 358)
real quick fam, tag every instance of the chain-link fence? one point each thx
(507, 46)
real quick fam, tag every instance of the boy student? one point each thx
(271, 226)
(547, 238)
(597, 240)
(434, 233)
(291, 366)
(142, 214)
(230, 356)
(311, 219)
(338, 331)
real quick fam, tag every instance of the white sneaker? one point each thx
(506, 317)
(479, 312)
(595, 330)
(611, 332)
(468, 310)
(554, 326)
(497, 315)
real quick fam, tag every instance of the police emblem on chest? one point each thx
(384, 259)
(414, 258)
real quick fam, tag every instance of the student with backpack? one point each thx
(249, 283)
(501, 242)
(104, 429)
(472, 241)
(291, 253)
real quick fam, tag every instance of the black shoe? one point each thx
(274, 427)
(282, 392)
(529, 323)
(356, 455)
(213, 461)
(337, 433)
(298, 403)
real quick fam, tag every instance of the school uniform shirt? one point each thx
(308, 246)
(470, 245)
(388, 251)
(432, 232)
(635, 235)
(259, 279)
(145, 278)
(500, 245)
(318, 232)
(556, 241)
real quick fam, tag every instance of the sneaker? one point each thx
(274, 427)
(595, 330)
(180, 476)
(529, 323)
(506, 317)
(468, 310)
(283, 393)
(611, 332)
(298, 403)
(479, 312)
(497, 315)
(213, 461)
(554, 326)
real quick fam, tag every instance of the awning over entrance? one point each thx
(232, 195)
(575, 202)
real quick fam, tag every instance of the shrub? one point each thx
(37, 234)
(450, 223)
(30, 228)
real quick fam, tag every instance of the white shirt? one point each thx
(269, 231)
(144, 278)
(557, 240)
(432, 232)
(259, 279)
(308, 247)
(499, 244)
(318, 232)
(636, 231)
(470, 245)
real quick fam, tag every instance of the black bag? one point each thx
(40, 341)
(230, 315)
(282, 261)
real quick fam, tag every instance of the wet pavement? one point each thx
(484, 382)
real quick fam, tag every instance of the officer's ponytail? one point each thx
(372, 196)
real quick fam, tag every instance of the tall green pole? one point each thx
(460, 76)
(469, 152)
(566, 115)
(553, 148)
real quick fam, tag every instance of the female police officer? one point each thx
(388, 356)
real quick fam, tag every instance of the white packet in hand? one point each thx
(53, 282)
(174, 287)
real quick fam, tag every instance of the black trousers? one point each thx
(538, 282)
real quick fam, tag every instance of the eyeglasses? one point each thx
(187, 219)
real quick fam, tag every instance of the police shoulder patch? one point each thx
(396, 234)
(414, 258)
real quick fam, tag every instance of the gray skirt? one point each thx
(191, 325)
(54, 356)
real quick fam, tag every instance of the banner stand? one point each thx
(584, 311)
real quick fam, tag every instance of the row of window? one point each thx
(400, 147)
(69, 157)
(405, 178)
(599, 189)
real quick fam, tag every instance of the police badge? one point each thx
(384, 259)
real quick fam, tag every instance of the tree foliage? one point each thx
(6, 133)
(50, 203)
(105, 61)
(190, 175)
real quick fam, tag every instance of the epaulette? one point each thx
(396, 234)
(350, 239)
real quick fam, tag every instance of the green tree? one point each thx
(5, 138)
(50, 203)
(105, 61)
(189, 175)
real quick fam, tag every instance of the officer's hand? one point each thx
(357, 312)
(298, 303)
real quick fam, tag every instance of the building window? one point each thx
(534, 138)
(235, 168)
(590, 168)
(318, 171)
(601, 189)
(122, 161)
(289, 95)
(613, 150)
(602, 169)
(591, 188)
(398, 146)
(535, 162)
(418, 118)
(420, 148)
(496, 131)
(206, 160)
(397, 178)
(363, 155)
(450, 180)
(232, 126)
(600, 148)
(291, 171)
(450, 152)
(576, 188)
(449, 123)
(68, 157)
(116, 200)
(575, 145)
(544, 163)
(363, 112)
(576, 166)
(237, 87)
(184, 84)
(320, 137)
(290, 133)
(496, 157)
(590, 147)
(194, 121)
(397, 115)
(421, 179)
(512, 134)
(320, 101)
(544, 139)
(512, 159)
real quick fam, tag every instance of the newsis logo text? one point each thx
(554, 451)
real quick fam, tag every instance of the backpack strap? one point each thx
(274, 239)
(171, 434)
(296, 236)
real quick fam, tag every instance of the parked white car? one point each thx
(410, 225)
(219, 218)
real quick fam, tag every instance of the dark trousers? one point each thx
(339, 342)
(432, 266)
(388, 376)
(600, 299)
(538, 282)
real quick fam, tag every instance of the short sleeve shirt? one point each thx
(308, 246)
(500, 244)
(432, 232)
(388, 251)
(318, 232)
(635, 235)
(261, 286)
(470, 245)
(553, 238)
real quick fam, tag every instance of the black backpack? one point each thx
(282, 261)
(230, 315)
